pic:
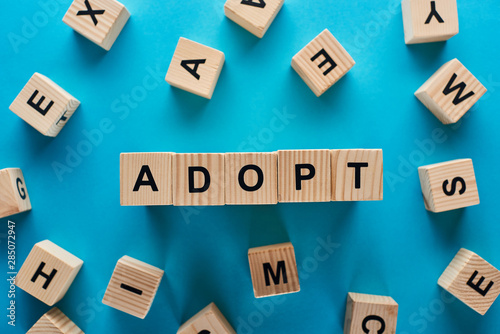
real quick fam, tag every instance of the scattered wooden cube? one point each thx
(472, 280)
(450, 92)
(274, 270)
(370, 314)
(195, 68)
(101, 21)
(254, 15)
(209, 320)
(448, 185)
(54, 322)
(133, 287)
(14, 196)
(44, 105)
(48, 272)
(322, 62)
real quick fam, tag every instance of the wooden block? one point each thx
(357, 175)
(44, 105)
(14, 196)
(133, 287)
(370, 314)
(429, 21)
(101, 21)
(450, 92)
(207, 321)
(146, 179)
(472, 280)
(322, 62)
(54, 322)
(195, 68)
(198, 179)
(274, 270)
(48, 272)
(304, 176)
(448, 185)
(254, 15)
(251, 178)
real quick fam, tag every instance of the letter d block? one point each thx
(370, 314)
(254, 15)
(54, 322)
(44, 105)
(48, 272)
(472, 280)
(14, 196)
(207, 321)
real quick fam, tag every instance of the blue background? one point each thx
(394, 247)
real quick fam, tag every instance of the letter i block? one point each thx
(54, 322)
(254, 15)
(133, 287)
(274, 270)
(448, 185)
(370, 314)
(44, 105)
(209, 320)
(195, 68)
(472, 280)
(322, 62)
(14, 196)
(450, 92)
(48, 272)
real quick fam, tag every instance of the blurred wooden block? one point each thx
(251, 178)
(370, 314)
(208, 321)
(44, 105)
(146, 179)
(198, 179)
(304, 176)
(450, 92)
(133, 287)
(448, 185)
(195, 68)
(274, 270)
(429, 21)
(472, 280)
(357, 175)
(14, 196)
(322, 62)
(254, 15)
(54, 322)
(101, 21)
(48, 272)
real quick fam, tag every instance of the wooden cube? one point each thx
(370, 314)
(448, 185)
(322, 62)
(14, 196)
(429, 21)
(357, 175)
(48, 272)
(450, 92)
(273, 269)
(209, 320)
(146, 179)
(304, 176)
(195, 68)
(101, 21)
(254, 15)
(251, 178)
(472, 280)
(54, 322)
(44, 105)
(133, 287)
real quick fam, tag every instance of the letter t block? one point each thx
(370, 314)
(207, 321)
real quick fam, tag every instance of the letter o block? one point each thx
(54, 322)
(254, 15)
(207, 321)
(370, 314)
(14, 196)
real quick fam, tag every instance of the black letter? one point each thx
(48, 278)
(477, 286)
(433, 13)
(374, 318)
(37, 106)
(63, 117)
(193, 70)
(261, 3)
(357, 172)
(299, 177)
(131, 289)
(19, 182)
(90, 12)
(260, 178)
(149, 182)
(268, 270)
(461, 87)
(204, 332)
(328, 59)
(205, 172)
(454, 186)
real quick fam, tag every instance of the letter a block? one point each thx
(370, 314)
(207, 321)
(448, 185)
(254, 15)
(133, 287)
(14, 196)
(450, 92)
(48, 272)
(44, 105)
(274, 270)
(54, 322)
(195, 68)
(472, 280)
(322, 62)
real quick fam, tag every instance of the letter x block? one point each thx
(449, 185)
(195, 68)
(54, 322)
(207, 321)
(370, 314)
(44, 105)
(450, 92)
(14, 196)
(472, 280)
(254, 15)
(48, 272)
(274, 270)
(322, 62)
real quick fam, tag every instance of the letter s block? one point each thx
(370, 314)
(254, 15)
(207, 321)
(14, 196)
(54, 322)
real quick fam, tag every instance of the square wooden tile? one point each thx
(254, 15)
(207, 321)
(54, 322)
(14, 196)
(370, 314)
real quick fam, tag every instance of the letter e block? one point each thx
(14, 196)
(370, 314)
(207, 321)
(54, 322)
(254, 15)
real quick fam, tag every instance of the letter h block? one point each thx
(14, 196)
(207, 321)
(54, 322)
(370, 314)
(254, 15)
